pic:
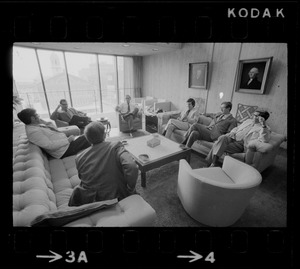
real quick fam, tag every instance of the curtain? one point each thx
(133, 76)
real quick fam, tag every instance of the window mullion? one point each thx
(42, 79)
(68, 81)
(99, 78)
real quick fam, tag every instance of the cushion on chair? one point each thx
(244, 112)
(214, 174)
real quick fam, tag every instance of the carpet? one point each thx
(267, 208)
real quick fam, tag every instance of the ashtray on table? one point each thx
(144, 157)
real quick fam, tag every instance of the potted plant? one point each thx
(16, 101)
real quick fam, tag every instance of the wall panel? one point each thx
(166, 76)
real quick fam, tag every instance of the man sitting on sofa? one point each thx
(48, 137)
(183, 122)
(128, 112)
(222, 123)
(252, 131)
(70, 115)
(107, 171)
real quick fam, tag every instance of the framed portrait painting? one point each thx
(252, 75)
(198, 75)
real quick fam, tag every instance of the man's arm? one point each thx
(130, 168)
(232, 125)
(55, 114)
(38, 138)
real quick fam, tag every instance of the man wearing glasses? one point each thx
(252, 131)
(70, 115)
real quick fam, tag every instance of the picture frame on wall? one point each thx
(198, 73)
(252, 75)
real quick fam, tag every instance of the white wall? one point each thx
(166, 76)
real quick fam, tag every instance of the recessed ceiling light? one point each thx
(77, 48)
(35, 43)
(155, 49)
(126, 45)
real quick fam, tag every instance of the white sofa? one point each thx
(42, 184)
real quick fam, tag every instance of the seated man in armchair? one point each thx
(183, 122)
(222, 123)
(128, 112)
(252, 131)
(70, 115)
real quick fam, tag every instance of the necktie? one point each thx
(220, 117)
(128, 109)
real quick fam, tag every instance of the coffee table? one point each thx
(168, 151)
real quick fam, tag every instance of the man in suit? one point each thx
(222, 122)
(48, 137)
(253, 82)
(106, 170)
(128, 112)
(186, 119)
(252, 131)
(70, 115)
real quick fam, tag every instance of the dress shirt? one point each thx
(53, 142)
(124, 107)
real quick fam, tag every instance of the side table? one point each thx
(151, 123)
(106, 123)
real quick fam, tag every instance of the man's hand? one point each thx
(71, 138)
(262, 121)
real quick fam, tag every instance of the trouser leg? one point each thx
(198, 132)
(218, 148)
(76, 146)
(176, 124)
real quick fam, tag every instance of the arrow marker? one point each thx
(54, 257)
(195, 257)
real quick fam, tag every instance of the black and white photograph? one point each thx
(108, 134)
(149, 134)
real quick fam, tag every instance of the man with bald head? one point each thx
(253, 82)
(106, 170)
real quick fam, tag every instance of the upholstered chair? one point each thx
(137, 123)
(217, 196)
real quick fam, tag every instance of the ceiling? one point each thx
(126, 49)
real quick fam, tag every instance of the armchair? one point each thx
(217, 196)
(137, 122)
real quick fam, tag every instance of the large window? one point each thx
(91, 83)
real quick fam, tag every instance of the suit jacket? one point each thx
(66, 115)
(53, 142)
(191, 117)
(221, 126)
(107, 171)
(254, 84)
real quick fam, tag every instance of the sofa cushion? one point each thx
(64, 216)
(64, 179)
